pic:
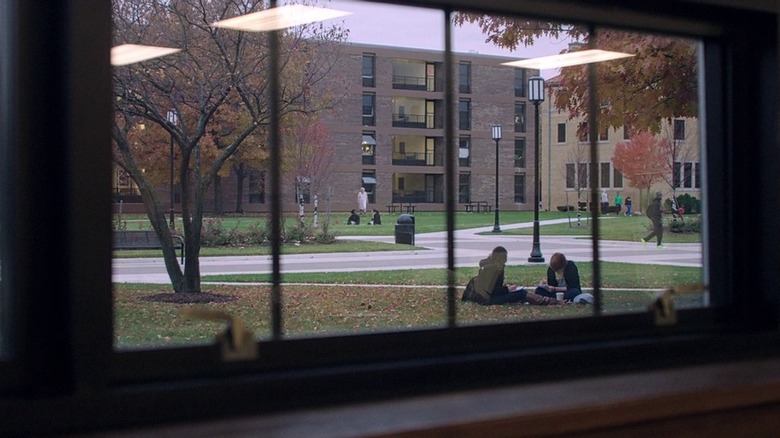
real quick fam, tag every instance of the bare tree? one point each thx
(217, 87)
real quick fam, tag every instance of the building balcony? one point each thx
(422, 121)
(418, 196)
(411, 159)
(417, 83)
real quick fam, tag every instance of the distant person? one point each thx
(362, 200)
(488, 286)
(654, 214)
(562, 276)
(354, 218)
(629, 206)
(604, 202)
(618, 203)
(376, 219)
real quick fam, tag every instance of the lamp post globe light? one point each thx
(173, 119)
(536, 96)
(496, 135)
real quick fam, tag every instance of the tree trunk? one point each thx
(240, 176)
(218, 196)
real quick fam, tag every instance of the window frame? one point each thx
(61, 359)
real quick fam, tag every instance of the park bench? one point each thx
(482, 206)
(144, 239)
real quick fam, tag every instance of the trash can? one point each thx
(404, 229)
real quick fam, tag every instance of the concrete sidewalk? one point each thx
(470, 247)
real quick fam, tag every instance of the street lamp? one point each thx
(173, 119)
(496, 134)
(536, 96)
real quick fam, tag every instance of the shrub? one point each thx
(565, 208)
(691, 224)
(213, 233)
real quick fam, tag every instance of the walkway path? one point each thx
(470, 247)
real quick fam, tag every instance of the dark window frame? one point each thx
(61, 359)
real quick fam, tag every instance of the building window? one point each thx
(520, 82)
(626, 132)
(604, 134)
(617, 179)
(679, 129)
(464, 188)
(519, 116)
(369, 105)
(464, 114)
(582, 175)
(605, 175)
(369, 70)
(561, 133)
(464, 151)
(685, 175)
(368, 180)
(570, 175)
(582, 132)
(368, 148)
(520, 188)
(520, 152)
(464, 77)
(256, 187)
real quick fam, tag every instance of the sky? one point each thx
(421, 28)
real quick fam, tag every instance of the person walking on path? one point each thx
(488, 286)
(629, 206)
(618, 203)
(604, 202)
(362, 200)
(654, 214)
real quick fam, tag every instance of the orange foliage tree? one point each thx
(642, 160)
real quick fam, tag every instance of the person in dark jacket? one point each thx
(488, 286)
(654, 214)
(354, 218)
(562, 276)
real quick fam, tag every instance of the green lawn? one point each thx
(141, 321)
(614, 275)
(612, 227)
(349, 304)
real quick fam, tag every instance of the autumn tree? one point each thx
(658, 83)
(217, 87)
(309, 157)
(642, 160)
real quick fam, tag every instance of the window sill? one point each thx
(648, 401)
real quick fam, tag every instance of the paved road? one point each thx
(470, 247)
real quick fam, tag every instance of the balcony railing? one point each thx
(410, 159)
(417, 83)
(409, 83)
(418, 196)
(423, 121)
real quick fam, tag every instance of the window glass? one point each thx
(333, 193)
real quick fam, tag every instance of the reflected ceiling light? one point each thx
(131, 53)
(280, 17)
(568, 59)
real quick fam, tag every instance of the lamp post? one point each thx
(496, 134)
(173, 119)
(536, 96)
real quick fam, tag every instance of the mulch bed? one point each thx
(189, 298)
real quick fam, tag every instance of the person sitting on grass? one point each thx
(354, 218)
(488, 286)
(376, 219)
(562, 276)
